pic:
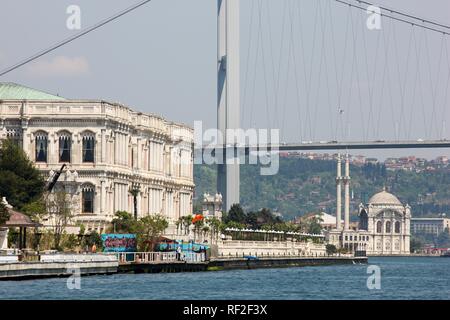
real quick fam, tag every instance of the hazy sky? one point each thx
(297, 70)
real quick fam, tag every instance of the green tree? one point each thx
(150, 228)
(236, 214)
(59, 211)
(416, 244)
(93, 238)
(314, 226)
(20, 182)
(331, 249)
(4, 214)
(35, 209)
(124, 222)
(443, 239)
(215, 225)
(186, 223)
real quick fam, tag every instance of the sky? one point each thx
(308, 67)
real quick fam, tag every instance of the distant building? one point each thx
(384, 222)
(371, 161)
(212, 205)
(327, 221)
(387, 222)
(433, 226)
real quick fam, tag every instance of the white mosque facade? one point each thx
(109, 149)
(384, 222)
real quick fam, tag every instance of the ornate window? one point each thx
(388, 245)
(379, 245)
(388, 227)
(397, 245)
(65, 147)
(41, 147)
(379, 226)
(88, 147)
(87, 198)
(397, 227)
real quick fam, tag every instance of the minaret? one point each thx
(339, 193)
(347, 193)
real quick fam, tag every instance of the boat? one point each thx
(446, 254)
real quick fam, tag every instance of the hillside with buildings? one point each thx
(306, 183)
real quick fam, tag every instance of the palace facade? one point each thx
(109, 150)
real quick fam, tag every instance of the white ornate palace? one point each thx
(109, 149)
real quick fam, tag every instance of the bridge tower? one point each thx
(228, 96)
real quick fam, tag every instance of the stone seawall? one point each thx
(242, 263)
(34, 270)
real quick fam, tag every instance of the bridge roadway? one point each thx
(334, 145)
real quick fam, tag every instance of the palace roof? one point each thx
(14, 91)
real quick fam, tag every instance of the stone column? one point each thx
(102, 158)
(139, 206)
(53, 148)
(3, 238)
(26, 145)
(138, 154)
(116, 150)
(102, 197)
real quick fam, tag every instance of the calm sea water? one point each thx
(401, 278)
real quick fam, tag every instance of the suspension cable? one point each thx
(72, 38)
(400, 19)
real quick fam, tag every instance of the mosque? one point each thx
(384, 222)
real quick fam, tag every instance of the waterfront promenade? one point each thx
(60, 265)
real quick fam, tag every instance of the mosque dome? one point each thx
(384, 198)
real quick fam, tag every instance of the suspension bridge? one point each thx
(384, 87)
(330, 74)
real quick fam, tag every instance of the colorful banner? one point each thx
(119, 242)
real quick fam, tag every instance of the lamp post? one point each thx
(38, 236)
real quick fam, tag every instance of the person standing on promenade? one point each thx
(179, 253)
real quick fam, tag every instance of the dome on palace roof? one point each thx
(385, 198)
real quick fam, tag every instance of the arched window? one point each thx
(379, 226)
(88, 147)
(388, 227)
(41, 147)
(397, 227)
(87, 198)
(65, 147)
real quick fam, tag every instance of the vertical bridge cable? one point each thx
(445, 102)
(250, 41)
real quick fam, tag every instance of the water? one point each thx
(401, 278)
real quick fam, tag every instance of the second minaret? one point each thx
(347, 193)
